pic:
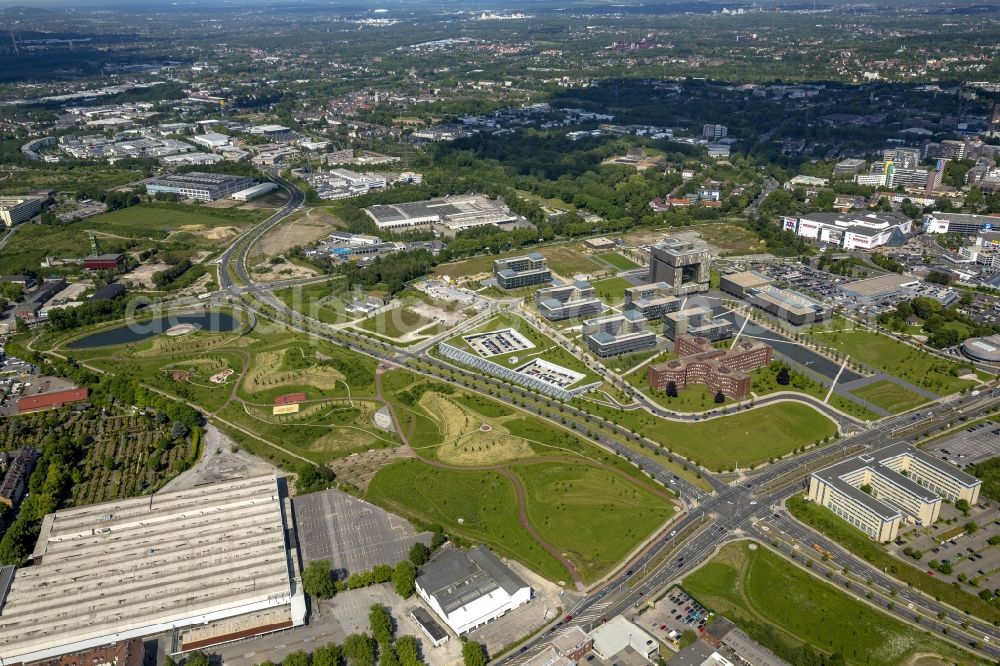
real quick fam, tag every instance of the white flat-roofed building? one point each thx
(876, 491)
(211, 139)
(210, 562)
(864, 230)
(255, 191)
(467, 589)
(449, 213)
(619, 634)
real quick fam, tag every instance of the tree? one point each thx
(298, 658)
(783, 378)
(408, 651)
(197, 658)
(963, 506)
(388, 656)
(317, 580)
(404, 579)
(419, 554)
(360, 650)
(972, 527)
(720, 398)
(178, 430)
(671, 389)
(381, 624)
(327, 655)
(473, 654)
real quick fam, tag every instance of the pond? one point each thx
(216, 322)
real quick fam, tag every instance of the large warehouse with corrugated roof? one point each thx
(208, 565)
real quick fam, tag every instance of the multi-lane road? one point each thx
(749, 508)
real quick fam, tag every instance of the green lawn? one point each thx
(130, 229)
(395, 323)
(826, 521)
(319, 301)
(617, 260)
(477, 505)
(595, 516)
(611, 290)
(884, 353)
(562, 258)
(566, 261)
(744, 584)
(890, 396)
(744, 438)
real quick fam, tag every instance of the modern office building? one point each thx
(576, 299)
(618, 334)
(468, 589)
(738, 283)
(849, 166)
(864, 230)
(524, 271)
(652, 300)
(714, 132)
(877, 491)
(696, 321)
(960, 223)
(199, 186)
(721, 370)
(792, 306)
(15, 210)
(449, 214)
(682, 265)
(205, 566)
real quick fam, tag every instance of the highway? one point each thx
(752, 508)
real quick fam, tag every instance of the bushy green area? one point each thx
(476, 505)
(989, 472)
(890, 396)
(809, 621)
(827, 522)
(595, 516)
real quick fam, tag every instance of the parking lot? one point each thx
(674, 612)
(969, 555)
(971, 445)
(548, 601)
(351, 533)
(333, 621)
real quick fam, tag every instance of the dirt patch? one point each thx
(465, 440)
(286, 270)
(359, 469)
(143, 275)
(300, 229)
(267, 374)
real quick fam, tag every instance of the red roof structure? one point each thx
(33, 403)
(290, 398)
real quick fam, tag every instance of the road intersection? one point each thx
(750, 508)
